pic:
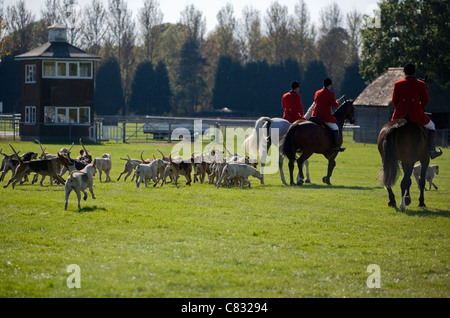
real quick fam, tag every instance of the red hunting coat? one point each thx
(410, 97)
(324, 101)
(292, 105)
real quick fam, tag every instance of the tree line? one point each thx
(153, 68)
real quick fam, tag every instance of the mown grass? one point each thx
(199, 241)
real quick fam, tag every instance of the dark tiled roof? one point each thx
(58, 50)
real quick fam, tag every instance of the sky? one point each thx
(171, 8)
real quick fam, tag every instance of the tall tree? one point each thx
(162, 90)
(304, 40)
(334, 52)
(109, 99)
(313, 80)
(332, 46)
(279, 24)
(142, 90)
(94, 26)
(191, 87)
(51, 12)
(195, 22)
(119, 22)
(3, 29)
(150, 17)
(353, 83)
(71, 18)
(250, 35)
(330, 18)
(128, 61)
(354, 22)
(122, 35)
(408, 31)
(228, 82)
(20, 23)
(10, 84)
(226, 30)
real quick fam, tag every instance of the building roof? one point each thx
(57, 50)
(379, 92)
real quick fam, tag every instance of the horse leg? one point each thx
(291, 172)
(306, 164)
(392, 202)
(331, 165)
(300, 176)
(280, 167)
(405, 186)
(422, 181)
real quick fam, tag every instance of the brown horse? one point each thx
(308, 137)
(407, 142)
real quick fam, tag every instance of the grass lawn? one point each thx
(199, 241)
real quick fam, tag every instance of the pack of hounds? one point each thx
(232, 170)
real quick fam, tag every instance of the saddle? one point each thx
(320, 123)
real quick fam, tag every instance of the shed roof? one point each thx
(379, 92)
(52, 50)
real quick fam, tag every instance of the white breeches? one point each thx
(333, 126)
(430, 125)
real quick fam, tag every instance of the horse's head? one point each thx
(350, 113)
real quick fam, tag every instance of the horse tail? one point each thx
(268, 137)
(251, 142)
(390, 163)
(287, 146)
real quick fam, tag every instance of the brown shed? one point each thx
(373, 107)
(57, 90)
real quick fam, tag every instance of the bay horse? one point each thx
(405, 141)
(263, 127)
(307, 138)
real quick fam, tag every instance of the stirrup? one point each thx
(434, 153)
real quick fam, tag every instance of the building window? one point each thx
(86, 70)
(73, 69)
(49, 69)
(67, 115)
(30, 115)
(61, 69)
(30, 73)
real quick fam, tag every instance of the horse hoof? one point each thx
(407, 200)
(326, 180)
(300, 183)
(392, 204)
(422, 204)
(307, 181)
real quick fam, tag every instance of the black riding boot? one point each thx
(432, 142)
(337, 146)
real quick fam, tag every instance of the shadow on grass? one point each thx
(88, 209)
(322, 186)
(430, 213)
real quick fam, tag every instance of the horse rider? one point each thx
(292, 103)
(410, 97)
(324, 101)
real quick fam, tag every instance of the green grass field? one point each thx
(199, 241)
